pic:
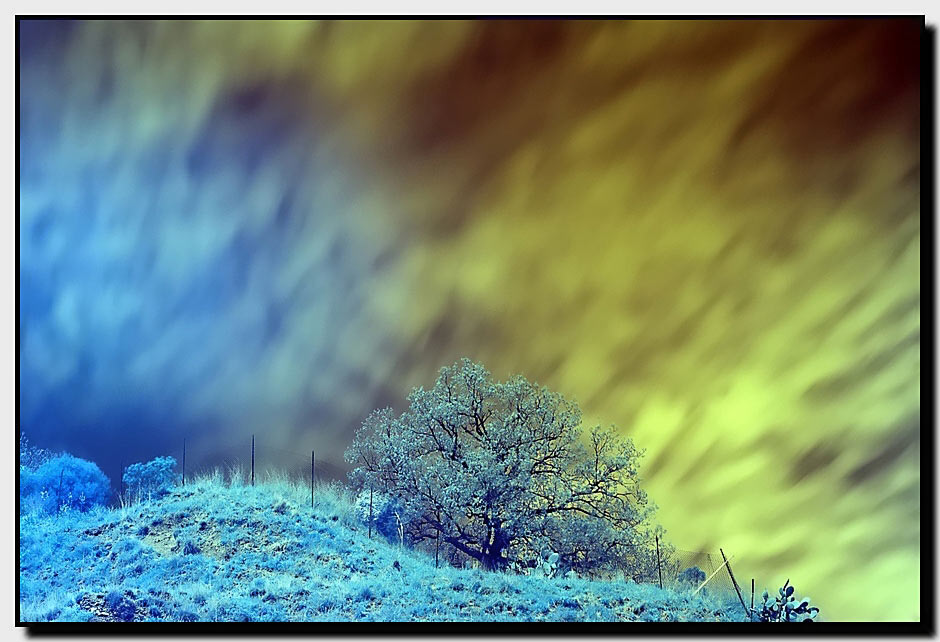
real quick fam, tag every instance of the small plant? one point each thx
(547, 565)
(120, 605)
(152, 479)
(784, 607)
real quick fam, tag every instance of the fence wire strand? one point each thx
(708, 562)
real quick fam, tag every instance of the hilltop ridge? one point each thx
(217, 550)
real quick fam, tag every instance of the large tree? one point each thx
(502, 472)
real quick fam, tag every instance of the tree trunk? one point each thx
(493, 559)
(463, 548)
(490, 556)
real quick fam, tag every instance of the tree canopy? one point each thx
(502, 472)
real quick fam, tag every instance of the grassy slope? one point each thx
(221, 552)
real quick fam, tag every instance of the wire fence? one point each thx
(707, 561)
(258, 458)
(718, 576)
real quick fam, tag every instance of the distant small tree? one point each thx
(152, 479)
(498, 470)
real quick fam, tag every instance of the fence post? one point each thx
(58, 495)
(752, 594)
(252, 460)
(370, 512)
(734, 582)
(184, 461)
(311, 477)
(658, 564)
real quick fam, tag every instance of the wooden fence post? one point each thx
(58, 495)
(752, 594)
(658, 564)
(734, 583)
(252, 460)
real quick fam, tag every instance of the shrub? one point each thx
(152, 479)
(32, 457)
(388, 514)
(64, 483)
(120, 605)
(693, 576)
(784, 607)
(499, 471)
(546, 565)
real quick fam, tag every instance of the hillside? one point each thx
(220, 551)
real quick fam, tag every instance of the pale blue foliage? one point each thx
(151, 479)
(64, 482)
(500, 472)
(693, 576)
(389, 515)
(238, 559)
(32, 457)
(784, 607)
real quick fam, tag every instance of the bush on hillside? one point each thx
(388, 515)
(151, 479)
(32, 457)
(499, 471)
(63, 483)
(693, 576)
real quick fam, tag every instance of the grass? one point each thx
(220, 550)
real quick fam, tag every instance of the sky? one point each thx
(707, 233)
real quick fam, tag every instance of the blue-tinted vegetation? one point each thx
(784, 607)
(31, 456)
(693, 576)
(63, 483)
(481, 502)
(152, 479)
(502, 473)
(221, 550)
